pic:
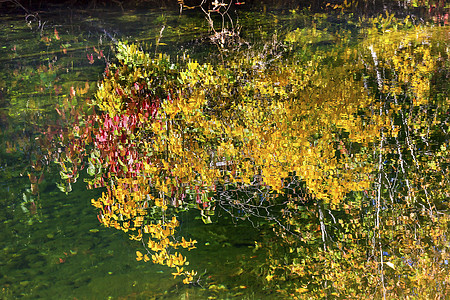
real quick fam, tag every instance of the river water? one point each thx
(54, 248)
(51, 243)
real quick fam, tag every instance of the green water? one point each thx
(57, 250)
(51, 244)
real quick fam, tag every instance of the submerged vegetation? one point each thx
(331, 140)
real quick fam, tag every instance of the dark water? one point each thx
(51, 244)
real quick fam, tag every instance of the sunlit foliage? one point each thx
(342, 152)
(167, 138)
(390, 240)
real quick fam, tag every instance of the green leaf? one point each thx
(206, 220)
(61, 187)
(63, 175)
(91, 169)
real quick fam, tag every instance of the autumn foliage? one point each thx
(311, 142)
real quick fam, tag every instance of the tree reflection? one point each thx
(343, 152)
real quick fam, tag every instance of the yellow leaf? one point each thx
(301, 290)
(178, 272)
(138, 256)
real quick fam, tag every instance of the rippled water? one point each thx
(51, 244)
(53, 247)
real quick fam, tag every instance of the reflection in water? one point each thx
(353, 132)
